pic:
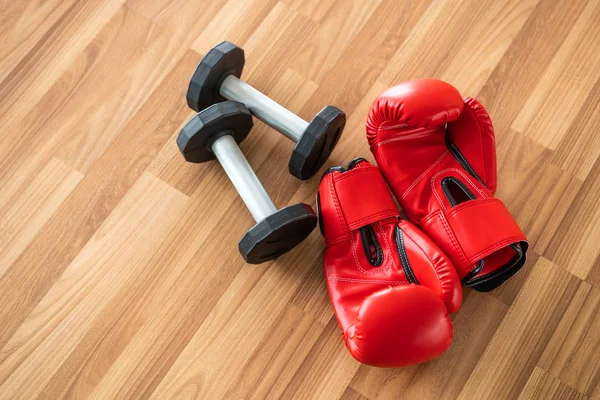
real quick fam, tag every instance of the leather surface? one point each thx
(353, 186)
(424, 136)
(387, 319)
(473, 134)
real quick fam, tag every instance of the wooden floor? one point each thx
(119, 270)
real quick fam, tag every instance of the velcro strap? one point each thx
(483, 227)
(364, 197)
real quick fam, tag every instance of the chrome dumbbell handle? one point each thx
(264, 108)
(243, 177)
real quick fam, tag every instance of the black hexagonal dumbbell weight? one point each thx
(215, 133)
(217, 79)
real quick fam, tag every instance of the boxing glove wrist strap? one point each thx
(474, 228)
(364, 197)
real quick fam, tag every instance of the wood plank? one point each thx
(543, 386)
(22, 25)
(508, 292)
(350, 394)
(523, 334)
(536, 191)
(36, 73)
(315, 9)
(312, 296)
(439, 29)
(594, 274)
(491, 34)
(234, 22)
(566, 83)
(175, 13)
(251, 304)
(84, 120)
(274, 363)
(327, 370)
(574, 245)
(75, 221)
(162, 309)
(118, 250)
(31, 208)
(517, 73)
(571, 354)
(269, 48)
(91, 119)
(366, 57)
(580, 147)
(326, 44)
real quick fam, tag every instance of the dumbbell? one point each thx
(215, 133)
(217, 79)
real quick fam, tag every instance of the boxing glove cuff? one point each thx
(364, 197)
(474, 230)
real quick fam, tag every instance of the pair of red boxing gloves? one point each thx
(393, 282)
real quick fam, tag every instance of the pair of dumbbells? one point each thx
(225, 106)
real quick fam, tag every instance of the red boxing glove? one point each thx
(437, 152)
(390, 285)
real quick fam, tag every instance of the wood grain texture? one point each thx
(119, 270)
